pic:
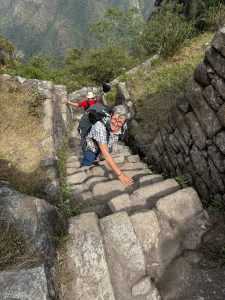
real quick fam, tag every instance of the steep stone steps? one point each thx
(125, 259)
(140, 230)
(84, 261)
(178, 222)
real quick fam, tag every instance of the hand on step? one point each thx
(126, 179)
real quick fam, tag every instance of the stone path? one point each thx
(125, 237)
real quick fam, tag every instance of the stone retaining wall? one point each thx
(192, 140)
(56, 120)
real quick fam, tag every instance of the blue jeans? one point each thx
(89, 158)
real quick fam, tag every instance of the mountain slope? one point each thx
(52, 26)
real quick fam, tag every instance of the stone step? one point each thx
(76, 178)
(72, 159)
(185, 209)
(104, 191)
(124, 153)
(83, 259)
(100, 210)
(135, 174)
(177, 223)
(91, 181)
(148, 195)
(117, 160)
(73, 164)
(119, 203)
(147, 229)
(118, 149)
(28, 283)
(144, 197)
(128, 166)
(133, 158)
(125, 258)
(97, 171)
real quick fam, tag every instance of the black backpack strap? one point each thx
(88, 104)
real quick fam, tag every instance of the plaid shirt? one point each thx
(101, 133)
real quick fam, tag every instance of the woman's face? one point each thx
(116, 122)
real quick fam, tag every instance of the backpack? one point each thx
(96, 112)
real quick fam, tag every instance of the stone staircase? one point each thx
(125, 237)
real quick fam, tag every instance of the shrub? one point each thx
(165, 33)
(214, 17)
(6, 51)
(99, 64)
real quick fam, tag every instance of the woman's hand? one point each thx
(125, 179)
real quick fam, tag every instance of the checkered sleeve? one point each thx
(98, 133)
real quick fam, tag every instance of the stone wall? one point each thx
(56, 120)
(192, 140)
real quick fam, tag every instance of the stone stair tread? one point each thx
(124, 153)
(76, 178)
(100, 210)
(91, 181)
(97, 171)
(147, 228)
(129, 166)
(74, 164)
(145, 195)
(28, 283)
(84, 260)
(118, 160)
(71, 171)
(72, 159)
(141, 197)
(103, 191)
(149, 179)
(125, 258)
(135, 174)
(133, 158)
(180, 205)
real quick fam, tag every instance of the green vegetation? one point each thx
(216, 207)
(217, 253)
(155, 92)
(6, 51)
(20, 135)
(166, 32)
(125, 41)
(182, 180)
(119, 28)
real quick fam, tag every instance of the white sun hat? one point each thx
(90, 95)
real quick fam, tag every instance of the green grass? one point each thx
(216, 207)
(183, 181)
(14, 253)
(154, 91)
(20, 136)
(216, 253)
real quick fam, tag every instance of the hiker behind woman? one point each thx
(85, 103)
(105, 89)
(101, 137)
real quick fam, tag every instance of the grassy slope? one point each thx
(20, 136)
(154, 91)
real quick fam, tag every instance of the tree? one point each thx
(6, 50)
(119, 28)
(165, 32)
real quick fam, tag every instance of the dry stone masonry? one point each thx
(55, 121)
(192, 140)
(125, 237)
